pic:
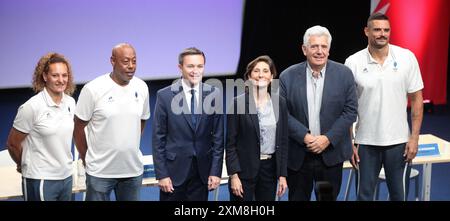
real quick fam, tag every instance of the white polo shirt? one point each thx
(47, 147)
(113, 133)
(382, 95)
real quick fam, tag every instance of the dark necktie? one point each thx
(193, 103)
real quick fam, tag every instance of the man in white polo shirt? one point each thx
(386, 77)
(113, 108)
(40, 140)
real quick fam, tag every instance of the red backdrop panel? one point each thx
(422, 26)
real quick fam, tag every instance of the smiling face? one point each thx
(192, 69)
(317, 51)
(123, 61)
(378, 33)
(56, 78)
(261, 76)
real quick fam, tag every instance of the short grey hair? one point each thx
(316, 31)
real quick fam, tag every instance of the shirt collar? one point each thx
(188, 88)
(49, 101)
(371, 60)
(309, 70)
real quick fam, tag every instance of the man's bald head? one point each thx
(123, 60)
(119, 47)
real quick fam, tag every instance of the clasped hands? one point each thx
(316, 144)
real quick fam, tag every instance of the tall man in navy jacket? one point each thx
(188, 134)
(322, 106)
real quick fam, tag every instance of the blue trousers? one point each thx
(125, 189)
(397, 171)
(47, 190)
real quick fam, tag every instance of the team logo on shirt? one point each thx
(136, 96)
(395, 66)
(110, 99)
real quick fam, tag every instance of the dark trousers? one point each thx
(192, 189)
(397, 171)
(313, 170)
(263, 187)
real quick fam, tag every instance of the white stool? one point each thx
(382, 178)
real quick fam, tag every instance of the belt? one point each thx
(265, 156)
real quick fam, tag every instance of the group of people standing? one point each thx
(288, 139)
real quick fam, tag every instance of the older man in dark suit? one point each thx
(188, 134)
(322, 106)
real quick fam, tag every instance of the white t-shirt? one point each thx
(47, 147)
(113, 133)
(382, 95)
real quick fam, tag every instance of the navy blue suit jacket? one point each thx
(243, 138)
(337, 113)
(176, 141)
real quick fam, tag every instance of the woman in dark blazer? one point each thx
(257, 137)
